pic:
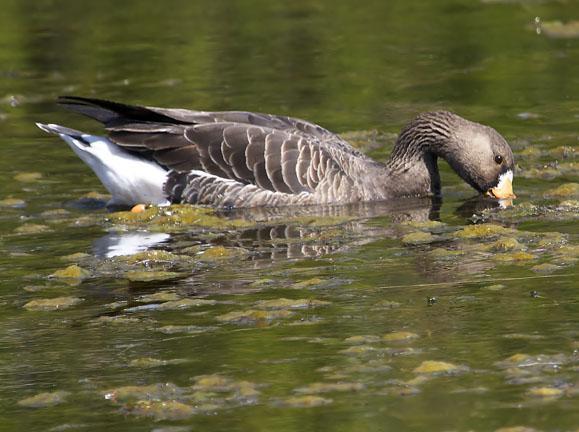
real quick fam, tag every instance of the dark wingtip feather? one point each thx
(113, 113)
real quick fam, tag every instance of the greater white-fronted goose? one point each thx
(243, 159)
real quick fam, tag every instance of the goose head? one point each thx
(482, 157)
(478, 153)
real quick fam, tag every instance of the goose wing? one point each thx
(275, 153)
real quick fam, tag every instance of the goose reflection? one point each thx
(295, 232)
(119, 244)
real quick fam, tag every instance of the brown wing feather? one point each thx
(273, 158)
(303, 163)
(289, 164)
(277, 122)
(207, 138)
(168, 146)
(276, 153)
(255, 148)
(217, 158)
(233, 149)
(184, 158)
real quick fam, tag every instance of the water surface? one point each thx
(201, 339)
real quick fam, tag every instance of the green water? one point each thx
(502, 309)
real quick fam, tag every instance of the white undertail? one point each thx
(129, 178)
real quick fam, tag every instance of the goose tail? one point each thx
(131, 179)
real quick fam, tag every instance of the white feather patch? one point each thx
(130, 179)
(507, 175)
(118, 244)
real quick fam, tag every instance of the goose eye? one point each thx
(498, 159)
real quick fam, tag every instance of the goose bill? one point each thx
(504, 189)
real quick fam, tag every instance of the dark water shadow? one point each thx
(403, 210)
(480, 203)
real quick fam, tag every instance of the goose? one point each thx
(238, 159)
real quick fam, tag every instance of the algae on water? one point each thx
(44, 400)
(52, 304)
(178, 217)
(71, 272)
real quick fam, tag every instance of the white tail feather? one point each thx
(129, 178)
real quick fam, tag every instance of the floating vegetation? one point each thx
(217, 391)
(28, 177)
(163, 401)
(162, 296)
(442, 254)
(550, 171)
(149, 362)
(161, 391)
(517, 429)
(217, 253)
(223, 384)
(506, 244)
(564, 152)
(44, 400)
(484, 231)
(432, 367)
(189, 329)
(494, 287)
(73, 272)
(283, 303)
(545, 392)
(12, 202)
(538, 362)
(361, 349)
(545, 268)
(418, 238)
(329, 387)
(56, 216)
(559, 30)
(514, 257)
(52, 304)
(152, 257)
(567, 190)
(564, 210)
(399, 336)
(428, 226)
(361, 340)
(309, 283)
(150, 276)
(177, 218)
(116, 320)
(186, 303)
(528, 116)
(31, 228)
(523, 2)
(306, 401)
(171, 305)
(387, 304)
(523, 336)
(254, 316)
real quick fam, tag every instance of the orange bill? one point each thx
(504, 189)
